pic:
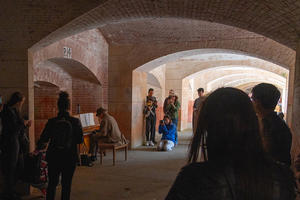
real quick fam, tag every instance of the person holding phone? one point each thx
(13, 134)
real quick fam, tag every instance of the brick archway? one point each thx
(72, 76)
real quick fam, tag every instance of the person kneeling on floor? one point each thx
(168, 130)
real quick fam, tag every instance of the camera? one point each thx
(161, 121)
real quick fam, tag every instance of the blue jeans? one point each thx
(175, 121)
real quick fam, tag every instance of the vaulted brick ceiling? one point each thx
(171, 30)
(279, 20)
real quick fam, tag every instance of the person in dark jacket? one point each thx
(276, 135)
(197, 107)
(166, 101)
(152, 126)
(61, 162)
(150, 116)
(13, 148)
(168, 131)
(235, 166)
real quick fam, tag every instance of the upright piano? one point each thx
(89, 122)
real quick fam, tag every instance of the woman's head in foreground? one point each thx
(230, 123)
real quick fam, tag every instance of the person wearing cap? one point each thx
(171, 93)
(108, 132)
(172, 110)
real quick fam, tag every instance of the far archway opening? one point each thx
(185, 72)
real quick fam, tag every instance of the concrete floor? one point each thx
(147, 175)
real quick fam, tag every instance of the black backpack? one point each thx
(62, 135)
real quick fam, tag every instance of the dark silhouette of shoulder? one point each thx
(209, 181)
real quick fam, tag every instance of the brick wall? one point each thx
(45, 100)
(88, 95)
(89, 50)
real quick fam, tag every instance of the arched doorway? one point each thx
(186, 71)
(68, 75)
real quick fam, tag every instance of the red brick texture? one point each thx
(45, 105)
(88, 95)
(277, 19)
(89, 51)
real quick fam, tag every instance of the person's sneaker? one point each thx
(151, 144)
(147, 143)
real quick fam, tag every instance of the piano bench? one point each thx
(103, 146)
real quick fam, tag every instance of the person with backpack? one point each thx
(12, 144)
(64, 133)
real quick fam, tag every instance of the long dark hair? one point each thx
(63, 102)
(15, 98)
(229, 127)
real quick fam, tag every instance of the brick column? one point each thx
(296, 105)
(290, 97)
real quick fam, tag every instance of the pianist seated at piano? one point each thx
(108, 132)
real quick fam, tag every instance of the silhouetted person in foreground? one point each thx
(236, 166)
(64, 133)
(276, 135)
(12, 144)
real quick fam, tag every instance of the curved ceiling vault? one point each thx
(74, 68)
(278, 20)
(209, 58)
(233, 76)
